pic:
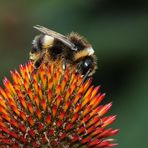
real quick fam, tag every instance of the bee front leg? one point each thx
(37, 64)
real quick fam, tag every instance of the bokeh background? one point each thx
(118, 31)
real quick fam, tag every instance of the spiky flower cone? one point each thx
(53, 108)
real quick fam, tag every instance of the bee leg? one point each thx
(36, 66)
(79, 69)
(38, 62)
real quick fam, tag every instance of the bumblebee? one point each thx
(73, 50)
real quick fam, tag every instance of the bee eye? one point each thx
(86, 65)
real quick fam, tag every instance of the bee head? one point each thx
(87, 65)
(84, 55)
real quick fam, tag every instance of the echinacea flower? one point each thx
(53, 107)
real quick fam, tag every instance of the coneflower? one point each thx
(53, 107)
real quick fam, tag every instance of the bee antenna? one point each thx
(86, 76)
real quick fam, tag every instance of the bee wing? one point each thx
(56, 35)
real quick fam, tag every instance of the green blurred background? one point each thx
(118, 31)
